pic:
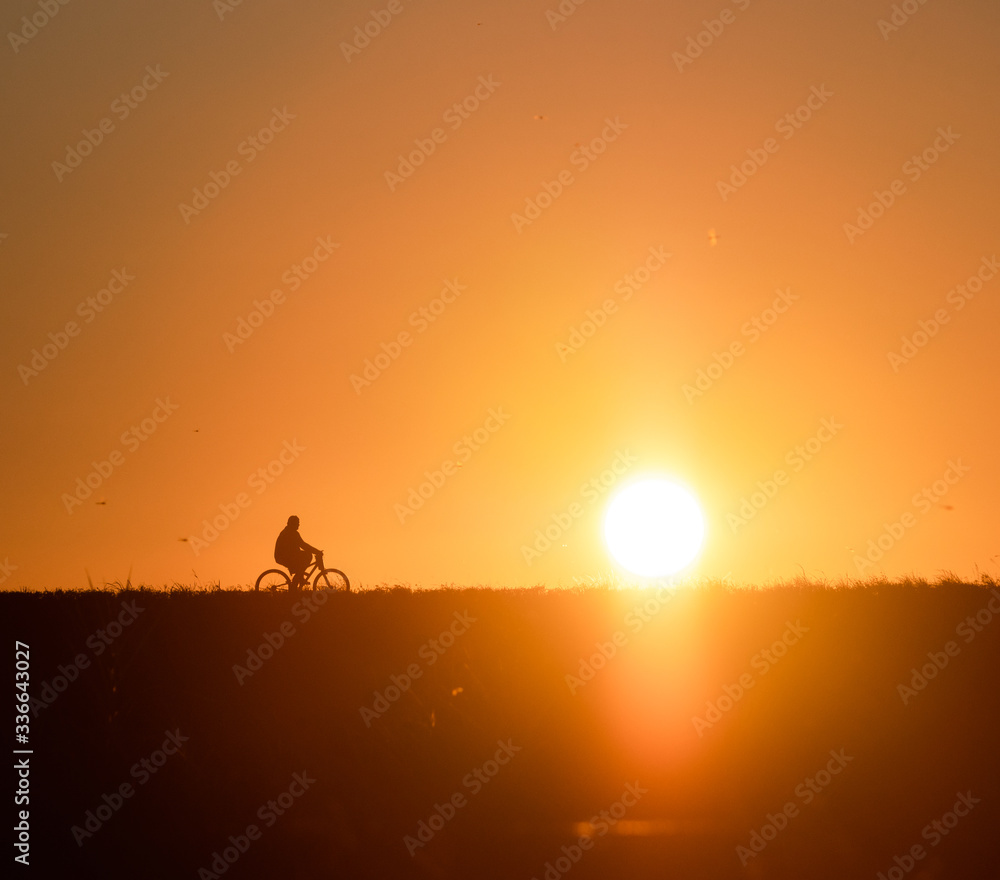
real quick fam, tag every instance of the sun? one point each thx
(654, 527)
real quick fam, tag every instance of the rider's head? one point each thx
(293, 521)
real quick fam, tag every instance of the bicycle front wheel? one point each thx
(332, 579)
(271, 580)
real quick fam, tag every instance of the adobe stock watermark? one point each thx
(914, 168)
(923, 501)
(454, 116)
(7, 568)
(293, 278)
(260, 480)
(421, 319)
(796, 458)
(430, 652)
(303, 611)
(933, 832)
(561, 14)
(625, 287)
(141, 771)
(464, 449)
(98, 642)
(697, 44)
(788, 125)
(249, 149)
(475, 780)
(122, 108)
(901, 14)
(806, 791)
(753, 329)
(939, 660)
(87, 309)
(635, 619)
(268, 813)
(131, 438)
(959, 297)
(599, 825)
(47, 10)
(590, 491)
(582, 158)
(376, 22)
(762, 662)
(225, 7)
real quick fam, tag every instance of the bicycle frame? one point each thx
(316, 572)
(312, 569)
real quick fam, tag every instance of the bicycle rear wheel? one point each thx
(332, 579)
(271, 580)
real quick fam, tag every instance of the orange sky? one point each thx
(588, 149)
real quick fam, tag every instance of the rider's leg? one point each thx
(302, 564)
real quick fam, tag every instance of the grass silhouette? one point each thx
(196, 659)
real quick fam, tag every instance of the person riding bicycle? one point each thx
(294, 553)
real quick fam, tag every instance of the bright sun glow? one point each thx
(654, 527)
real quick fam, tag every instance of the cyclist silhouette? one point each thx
(294, 553)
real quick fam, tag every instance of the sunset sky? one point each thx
(766, 208)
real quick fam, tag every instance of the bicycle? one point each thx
(275, 579)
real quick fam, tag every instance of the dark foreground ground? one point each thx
(711, 751)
